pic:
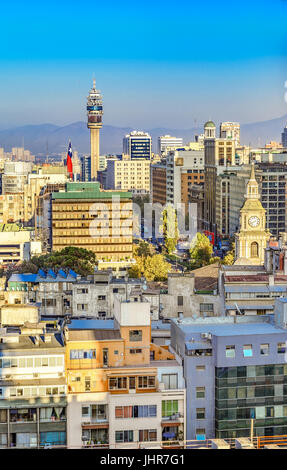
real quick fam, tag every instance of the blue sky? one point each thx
(158, 64)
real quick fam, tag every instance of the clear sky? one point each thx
(158, 63)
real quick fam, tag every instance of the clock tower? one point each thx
(252, 238)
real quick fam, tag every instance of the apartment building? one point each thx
(191, 293)
(69, 294)
(17, 244)
(158, 182)
(235, 371)
(167, 142)
(32, 387)
(128, 175)
(101, 221)
(219, 155)
(123, 391)
(250, 290)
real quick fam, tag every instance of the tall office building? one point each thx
(219, 155)
(86, 168)
(86, 217)
(230, 130)
(167, 141)
(137, 144)
(284, 137)
(95, 113)
(274, 188)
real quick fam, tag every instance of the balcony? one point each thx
(172, 420)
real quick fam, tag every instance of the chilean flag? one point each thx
(69, 161)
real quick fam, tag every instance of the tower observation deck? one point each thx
(95, 113)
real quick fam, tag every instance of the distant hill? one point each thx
(37, 138)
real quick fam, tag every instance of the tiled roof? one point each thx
(206, 277)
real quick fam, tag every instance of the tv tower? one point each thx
(95, 113)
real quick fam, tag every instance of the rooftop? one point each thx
(206, 278)
(88, 190)
(91, 324)
(94, 335)
(228, 326)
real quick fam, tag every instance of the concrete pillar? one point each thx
(95, 152)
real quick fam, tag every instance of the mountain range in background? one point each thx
(49, 139)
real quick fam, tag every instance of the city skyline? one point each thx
(167, 65)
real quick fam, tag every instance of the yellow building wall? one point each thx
(144, 345)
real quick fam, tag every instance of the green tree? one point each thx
(27, 267)
(170, 229)
(229, 257)
(82, 261)
(201, 250)
(144, 249)
(153, 268)
(156, 268)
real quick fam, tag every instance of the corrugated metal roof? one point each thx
(23, 277)
(250, 307)
(93, 324)
(93, 335)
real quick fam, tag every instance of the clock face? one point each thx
(254, 221)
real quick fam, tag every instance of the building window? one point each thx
(200, 413)
(135, 351)
(200, 368)
(85, 411)
(247, 350)
(82, 307)
(281, 348)
(170, 381)
(82, 354)
(230, 351)
(179, 300)
(124, 436)
(137, 411)
(169, 408)
(200, 392)
(87, 384)
(254, 250)
(200, 434)
(206, 308)
(264, 349)
(132, 383)
(116, 383)
(147, 435)
(135, 335)
(146, 382)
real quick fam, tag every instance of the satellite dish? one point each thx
(144, 287)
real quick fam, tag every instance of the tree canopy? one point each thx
(153, 268)
(82, 261)
(170, 229)
(201, 250)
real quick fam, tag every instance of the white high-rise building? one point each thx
(230, 130)
(168, 142)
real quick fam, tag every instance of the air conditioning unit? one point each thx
(204, 335)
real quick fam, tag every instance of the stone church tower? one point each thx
(251, 240)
